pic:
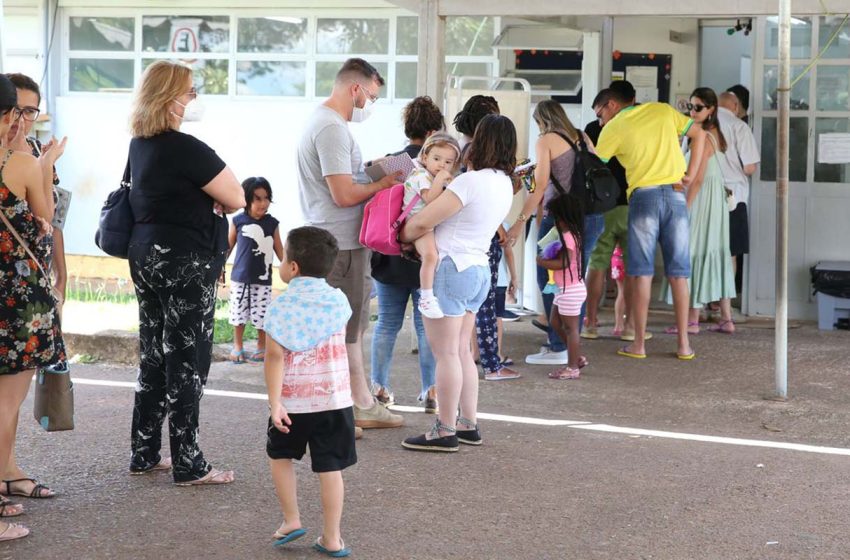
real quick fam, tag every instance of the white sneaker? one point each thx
(430, 307)
(547, 358)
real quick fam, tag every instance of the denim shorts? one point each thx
(658, 215)
(460, 292)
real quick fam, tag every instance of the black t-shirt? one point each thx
(593, 130)
(394, 270)
(170, 209)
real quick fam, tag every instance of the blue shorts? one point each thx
(460, 292)
(658, 215)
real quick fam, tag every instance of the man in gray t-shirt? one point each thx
(332, 191)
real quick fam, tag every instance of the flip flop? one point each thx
(508, 361)
(214, 477)
(720, 327)
(686, 357)
(630, 337)
(623, 352)
(283, 538)
(163, 465)
(237, 357)
(13, 531)
(675, 330)
(341, 553)
(258, 356)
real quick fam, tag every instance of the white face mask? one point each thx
(360, 114)
(193, 111)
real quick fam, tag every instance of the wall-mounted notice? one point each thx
(834, 147)
(642, 76)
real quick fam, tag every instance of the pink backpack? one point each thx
(382, 219)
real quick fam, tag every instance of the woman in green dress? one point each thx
(712, 278)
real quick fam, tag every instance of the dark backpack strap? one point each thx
(574, 148)
(127, 180)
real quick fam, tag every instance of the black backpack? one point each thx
(592, 181)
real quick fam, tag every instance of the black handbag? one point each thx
(116, 219)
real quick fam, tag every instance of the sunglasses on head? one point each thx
(695, 107)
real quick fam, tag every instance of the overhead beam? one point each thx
(687, 8)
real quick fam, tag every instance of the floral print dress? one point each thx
(30, 336)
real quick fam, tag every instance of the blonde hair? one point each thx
(161, 83)
(550, 116)
(440, 140)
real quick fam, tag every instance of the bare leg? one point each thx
(726, 315)
(469, 387)
(443, 336)
(426, 246)
(679, 287)
(283, 475)
(333, 495)
(13, 391)
(594, 281)
(261, 340)
(238, 337)
(693, 319)
(641, 288)
(360, 393)
(567, 329)
(628, 285)
(619, 307)
(500, 330)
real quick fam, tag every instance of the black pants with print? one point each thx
(176, 292)
(485, 320)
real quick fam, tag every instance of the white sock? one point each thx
(426, 293)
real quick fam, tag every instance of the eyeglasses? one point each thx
(28, 113)
(696, 108)
(373, 97)
(193, 93)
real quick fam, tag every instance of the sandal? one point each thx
(341, 553)
(163, 465)
(675, 330)
(237, 356)
(13, 531)
(257, 356)
(39, 491)
(10, 509)
(582, 362)
(566, 373)
(213, 477)
(722, 327)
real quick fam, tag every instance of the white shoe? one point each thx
(547, 358)
(430, 307)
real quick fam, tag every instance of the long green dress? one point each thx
(711, 262)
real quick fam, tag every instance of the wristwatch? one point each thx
(521, 218)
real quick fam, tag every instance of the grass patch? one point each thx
(99, 291)
(224, 331)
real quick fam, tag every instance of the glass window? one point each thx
(353, 36)
(405, 80)
(186, 33)
(798, 149)
(272, 35)
(799, 93)
(102, 34)
(831, 172)
(209, 76)
(407, 35)
(801, 37)
(833, 86)
(840, 47)
(469, 68)
(91, 74)
(270, 78)
(326, 74)
(469, 36)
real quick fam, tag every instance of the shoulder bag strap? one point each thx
(406, 212)
(127, 180)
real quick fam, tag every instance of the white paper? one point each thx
(646, 94)
(834, 147)
(642, 76)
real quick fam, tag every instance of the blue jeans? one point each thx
(392, 304)
(658, 215)
(593, 226)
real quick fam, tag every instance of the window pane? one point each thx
(326, 73)
(801, 37)
(469, 36)
(469, 68)
(270, 78)
(102, 34)
(353, 36)
(799, 93)
(91, 74)
(407, 35)
(209, 76)
(405, 80)
(185, 33)
(840, 47)
(272, 34)
(833, 85)
(798, 149)
(831, 172)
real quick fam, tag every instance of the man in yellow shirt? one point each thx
(645, 140)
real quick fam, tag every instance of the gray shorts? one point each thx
(351, 274)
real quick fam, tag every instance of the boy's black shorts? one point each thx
(330, 435)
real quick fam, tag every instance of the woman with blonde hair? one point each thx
(556, 161)
(180, 192)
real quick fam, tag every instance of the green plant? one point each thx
(224, 332)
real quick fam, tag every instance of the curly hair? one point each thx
(420, 117)
(475, 109)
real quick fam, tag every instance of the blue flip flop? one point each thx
(282, 539)
(341, 553)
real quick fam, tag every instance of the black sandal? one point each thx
(4, 504)
(36, 492)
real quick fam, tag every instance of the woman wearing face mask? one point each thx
(180, 192)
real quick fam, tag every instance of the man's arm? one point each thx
(346, 193)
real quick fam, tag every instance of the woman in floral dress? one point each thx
(29, 325)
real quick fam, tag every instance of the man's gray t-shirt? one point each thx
(328, 148)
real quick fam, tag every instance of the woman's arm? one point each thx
(34, 183)
(510, 259)
(440, 210)
(226, 190)
(696, 184)
(541, 181)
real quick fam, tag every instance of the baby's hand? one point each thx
(443, 178)
(280, 418)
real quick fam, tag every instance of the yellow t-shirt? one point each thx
(645, 140)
